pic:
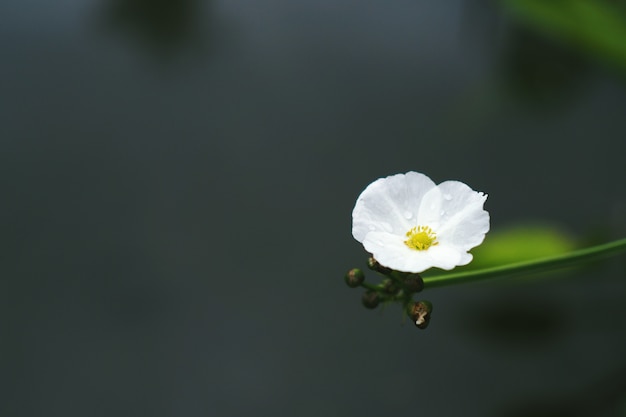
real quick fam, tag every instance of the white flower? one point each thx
(410, 224)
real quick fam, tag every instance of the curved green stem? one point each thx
(538, 265)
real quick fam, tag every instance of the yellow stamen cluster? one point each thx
(421, 238)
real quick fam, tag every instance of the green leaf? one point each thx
(595, 27)
(520, 243)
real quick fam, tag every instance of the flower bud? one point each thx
(354, 277)
(414, 283)
(370, 299)
(420, 313)
(390, 287)
(375, 266)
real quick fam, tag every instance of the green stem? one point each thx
(538, 265)
(372, 287)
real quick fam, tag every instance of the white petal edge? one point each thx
(464, 222)
(390, 251)
(390, 204)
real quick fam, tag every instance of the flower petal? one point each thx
(390, 251)
(447, 257)
(430, 208)
(464, 222)
(390, 204)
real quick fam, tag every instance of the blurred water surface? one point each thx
(178, 179)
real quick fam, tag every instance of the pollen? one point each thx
(421, 238)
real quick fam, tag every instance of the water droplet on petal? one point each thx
(447, 197)
(408, 215)
(442, 212)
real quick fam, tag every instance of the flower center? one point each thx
(421, 238)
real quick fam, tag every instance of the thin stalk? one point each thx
(553, 262)
(371, 286)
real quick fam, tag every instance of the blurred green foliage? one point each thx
(594, 27)
(521, 243)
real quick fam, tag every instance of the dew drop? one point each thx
(447, 197)
(442, 212)
(408, 215)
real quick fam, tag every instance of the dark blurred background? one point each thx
(178, 178)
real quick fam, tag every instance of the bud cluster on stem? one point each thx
(396, 286)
